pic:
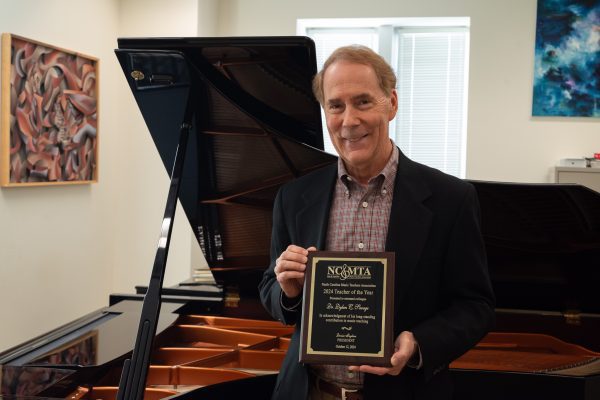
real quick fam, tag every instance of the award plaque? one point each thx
(347, 314)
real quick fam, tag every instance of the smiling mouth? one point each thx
(356, 139)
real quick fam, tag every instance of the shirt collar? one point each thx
(388, 172)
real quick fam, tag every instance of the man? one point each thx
(376, 199)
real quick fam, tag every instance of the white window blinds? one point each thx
(432, 93)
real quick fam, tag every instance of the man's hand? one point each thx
(404, 347)
(289, 269)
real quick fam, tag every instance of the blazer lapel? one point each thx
(313, 218)
(409, 223)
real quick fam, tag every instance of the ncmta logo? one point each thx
(344, 272)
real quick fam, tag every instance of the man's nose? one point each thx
(350, 117)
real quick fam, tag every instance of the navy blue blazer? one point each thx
(443, 293)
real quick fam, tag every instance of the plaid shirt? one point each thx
(358, 221)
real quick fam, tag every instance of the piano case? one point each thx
(256, 126)
(543, 246)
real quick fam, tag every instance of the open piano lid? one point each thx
(257, 126)
(543, 245)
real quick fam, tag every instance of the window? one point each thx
(430, 58)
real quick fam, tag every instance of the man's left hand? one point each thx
(404, 348)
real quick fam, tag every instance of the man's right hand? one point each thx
(289, 269)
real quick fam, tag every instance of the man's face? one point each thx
(358, 114)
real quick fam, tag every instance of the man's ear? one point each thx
(393, 104)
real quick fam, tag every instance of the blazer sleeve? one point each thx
(468, 298)
(270, 291)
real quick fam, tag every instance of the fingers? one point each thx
(282, 277)
(294, 258)
(289, 269)
(405, 346)
(293, 255)
(292, 248)
(285, 269)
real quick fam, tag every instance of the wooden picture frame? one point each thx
(48, 114)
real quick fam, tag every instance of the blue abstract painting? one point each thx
(567, 59)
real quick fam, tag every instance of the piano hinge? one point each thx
(137, 75)
(572, 317)
(232, 297)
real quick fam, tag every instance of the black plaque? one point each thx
(347, 315)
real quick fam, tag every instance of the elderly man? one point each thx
(376, 199)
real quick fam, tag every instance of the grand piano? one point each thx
(233, 119)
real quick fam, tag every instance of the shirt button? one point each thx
(365, 204)
(347, 193)
(361, 245)
(349, 178)
(383, 191)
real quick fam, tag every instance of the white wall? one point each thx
(504, 142)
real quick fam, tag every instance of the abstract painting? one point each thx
(48, 114)
(567, 59)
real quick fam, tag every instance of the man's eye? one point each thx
(334, 107)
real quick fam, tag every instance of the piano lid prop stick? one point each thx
(135, 371)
